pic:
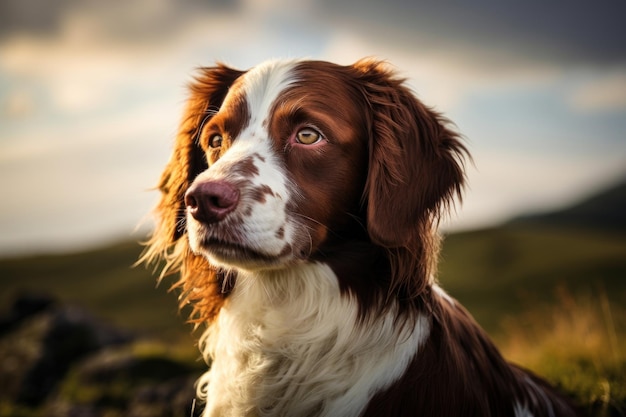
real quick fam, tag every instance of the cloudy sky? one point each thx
(91, 92)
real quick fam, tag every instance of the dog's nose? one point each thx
(210, 202)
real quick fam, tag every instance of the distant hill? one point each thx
(605, 210)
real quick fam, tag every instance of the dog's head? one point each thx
(272, 164)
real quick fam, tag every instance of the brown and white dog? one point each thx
(300, 208)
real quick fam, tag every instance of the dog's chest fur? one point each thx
(292, 344)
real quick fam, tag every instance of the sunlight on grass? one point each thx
(180, 351)
(578, 343)
(130, 376)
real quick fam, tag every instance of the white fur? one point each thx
(443, 294)
(522, 411)
(539, 397)
(288, 343)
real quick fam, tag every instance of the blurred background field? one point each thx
(550, 289)
(553, 299)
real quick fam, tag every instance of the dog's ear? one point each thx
(415, 161)
(415, 171)
(207, 92)
(188, 159)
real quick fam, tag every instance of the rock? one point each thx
(125, 381)
(24, 306)
(58, 360)
(172, 398)
(44, 340)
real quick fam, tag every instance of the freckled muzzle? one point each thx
(236, 219)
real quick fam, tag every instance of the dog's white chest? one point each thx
(291, 345)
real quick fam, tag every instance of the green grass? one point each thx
(103, 281)
(579, 344)
(553, 300)
(500, 272)
(145, 364)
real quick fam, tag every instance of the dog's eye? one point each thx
(215, 141)
(308, 136)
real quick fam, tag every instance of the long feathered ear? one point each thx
(198, 280)
(416, 169)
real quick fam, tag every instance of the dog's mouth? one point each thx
(238, 254)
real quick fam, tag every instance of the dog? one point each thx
(300, 208)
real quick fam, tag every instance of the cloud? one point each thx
(604, 93)
(443, 78)
(576, 32)
(73, 77)
(17, 104)
(88, 53)
(127, 21)
(33, 16)
(83, 182)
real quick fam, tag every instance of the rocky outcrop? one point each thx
(59, 360)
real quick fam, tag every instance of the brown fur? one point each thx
(460, 372)
(415, 171)
(201, 286)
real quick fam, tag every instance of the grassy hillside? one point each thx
(552, 295)
(505, 271)
(104, 282)
(554, 299)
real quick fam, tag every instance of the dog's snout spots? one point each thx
(246, 168)
(260, 193)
